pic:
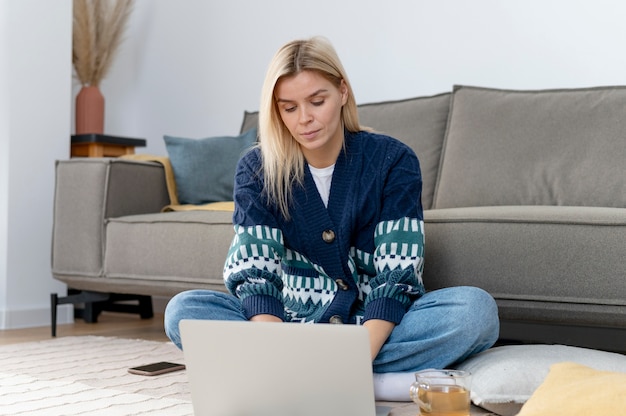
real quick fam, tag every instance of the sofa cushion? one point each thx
(168, 252)
(551, 147)
(250, 121)
(576, 390)
(204, 169)
(541, 263)
(419, 122)
(504, 378)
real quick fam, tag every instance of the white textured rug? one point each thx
(88, 376)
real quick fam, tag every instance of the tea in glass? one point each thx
(442, 392)
(445, 400)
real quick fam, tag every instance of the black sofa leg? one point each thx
(54, 301)
(89, 313)
(145, 307)
(96, 302)
(117, 302)
(86, 297)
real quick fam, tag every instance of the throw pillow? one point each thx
(576, 390)
(204, 169)
(420, 123)
(504, 378)
(506, 147)
(250, 120)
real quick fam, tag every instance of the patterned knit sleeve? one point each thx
(399, 243)
(252, 269)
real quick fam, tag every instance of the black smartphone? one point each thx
(156, 368)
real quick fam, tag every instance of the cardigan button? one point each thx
(342, 284)
(335, 319)
(328, 236)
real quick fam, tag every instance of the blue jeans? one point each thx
(441, 328)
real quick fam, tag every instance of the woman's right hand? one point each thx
(265, 318)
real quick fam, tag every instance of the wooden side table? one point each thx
(100, 145)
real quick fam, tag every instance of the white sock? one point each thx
(393, 387)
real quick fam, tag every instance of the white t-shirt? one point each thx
(323, 177)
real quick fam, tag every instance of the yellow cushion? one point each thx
(211, 206)
(572, 389)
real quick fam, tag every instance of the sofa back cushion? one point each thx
(551, 147)
(250, 120)
(419, 122)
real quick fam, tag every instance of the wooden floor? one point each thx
(110, 324)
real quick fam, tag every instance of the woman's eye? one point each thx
(317, 103)
(290, 109)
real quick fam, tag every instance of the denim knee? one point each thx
(484, 326)
(174, 312)
(199, 304)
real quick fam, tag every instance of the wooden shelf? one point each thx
(100, 145)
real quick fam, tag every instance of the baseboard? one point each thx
(32, 318)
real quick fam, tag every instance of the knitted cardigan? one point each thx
(361, 258)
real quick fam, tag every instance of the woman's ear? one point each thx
(343, 89)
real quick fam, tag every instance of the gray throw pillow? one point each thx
(250, 120)
(204, 169)
(420, 123)
(547, 147)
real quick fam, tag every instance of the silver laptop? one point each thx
(273, 369)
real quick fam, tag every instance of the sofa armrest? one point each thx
(90, 190)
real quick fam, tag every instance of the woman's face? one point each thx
(310, 106)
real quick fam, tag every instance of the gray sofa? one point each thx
(524, 195)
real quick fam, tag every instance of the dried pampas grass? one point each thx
(97, 34)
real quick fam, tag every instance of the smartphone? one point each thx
(156, 368)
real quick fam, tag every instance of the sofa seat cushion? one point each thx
(563, 262)
(187, 247)
(550, 147)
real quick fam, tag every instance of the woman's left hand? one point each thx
(379, 331)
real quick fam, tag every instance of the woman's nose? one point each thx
(305, 115)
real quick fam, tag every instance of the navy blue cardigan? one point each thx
(361, 258)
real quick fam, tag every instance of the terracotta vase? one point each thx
(89, 111)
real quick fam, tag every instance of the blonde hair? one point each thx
(283, 161)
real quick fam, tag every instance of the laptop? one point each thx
(273, 369)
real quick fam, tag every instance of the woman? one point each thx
(329, 229)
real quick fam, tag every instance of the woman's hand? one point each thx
(265, 318)
(378, 329)
(379, 332)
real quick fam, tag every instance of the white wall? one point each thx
(4, 154)
(35, 94)
(192, 67)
